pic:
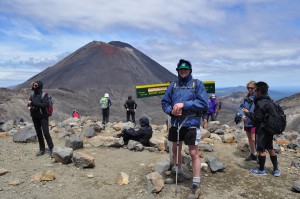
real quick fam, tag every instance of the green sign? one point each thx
(210, 86)
(150, 90)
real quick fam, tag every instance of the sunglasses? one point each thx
(250, 88)
(35, 85)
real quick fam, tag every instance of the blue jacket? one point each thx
(212, 106)
(248, 103)
(194, 101)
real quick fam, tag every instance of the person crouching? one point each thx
(142, 135)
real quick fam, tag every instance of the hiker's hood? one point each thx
(144, 121)
(38, 89)
(184, 64)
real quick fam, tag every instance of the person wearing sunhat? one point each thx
(183, 102)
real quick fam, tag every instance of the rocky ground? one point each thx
(101, 181)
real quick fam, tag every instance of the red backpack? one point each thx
(76, 114)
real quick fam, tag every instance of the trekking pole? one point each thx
(177, 153)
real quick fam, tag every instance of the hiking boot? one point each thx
(40, 153)
(118, 135)
(50, 153)
(258, 172)
(276, 173)
(195, 188)
(251, 157)
(180, 178)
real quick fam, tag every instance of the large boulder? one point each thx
(26, 134)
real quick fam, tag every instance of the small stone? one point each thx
(90, 175)
(169, 181)
(14, 182)
(3, 171)
(123, 178)
(43, 176)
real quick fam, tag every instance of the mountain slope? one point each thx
(98, 68)
(291, 107)
(100, 65)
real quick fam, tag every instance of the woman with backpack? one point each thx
(262, 120)
(37, 105)
(248, 103)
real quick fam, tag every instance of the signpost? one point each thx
(150, 90)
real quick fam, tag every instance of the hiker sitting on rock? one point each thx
(75, 114)
(143, 135)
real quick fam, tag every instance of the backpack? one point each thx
(238, 118)
(104, 103)
(76, 114)
(219, 105)
(276, 120)
(49, 108)
(185, 87)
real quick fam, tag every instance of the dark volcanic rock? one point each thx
(108, 67)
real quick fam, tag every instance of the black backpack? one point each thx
(238, 118)
(49, 108)
(276, 119)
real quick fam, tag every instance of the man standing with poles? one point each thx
(183, 101)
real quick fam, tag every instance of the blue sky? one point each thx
(229, 41)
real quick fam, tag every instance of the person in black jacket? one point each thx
(143, 135)
(264, 140)
(130, 106)
(37, 106)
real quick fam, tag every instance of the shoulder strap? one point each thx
(174, 86)
(194, 85)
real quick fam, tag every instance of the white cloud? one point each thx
(220, 37)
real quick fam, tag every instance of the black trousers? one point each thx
(105, 116)
(127, 137)
(213, 116)
(41, 126)
(132, 113)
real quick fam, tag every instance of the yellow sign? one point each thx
(149, 90)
